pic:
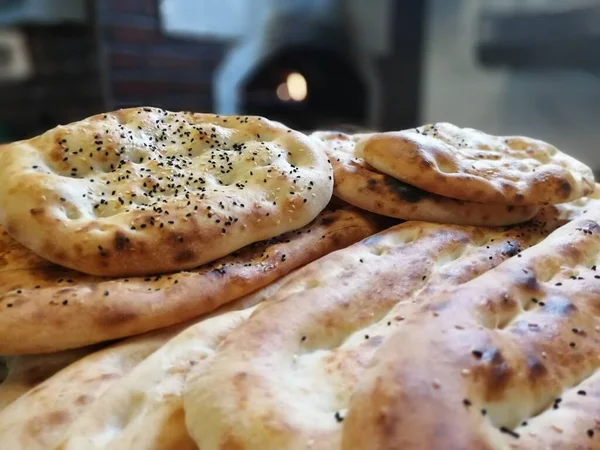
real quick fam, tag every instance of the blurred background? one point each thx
(527, 67)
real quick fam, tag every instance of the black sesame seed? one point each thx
(590, 433)
(477, 353)
(509, 432)
(581, 392)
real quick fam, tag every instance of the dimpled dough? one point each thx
(99, 309)
(142, 190)
(471, 165)
(359, 184)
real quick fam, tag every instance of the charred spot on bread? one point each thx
(405, 191)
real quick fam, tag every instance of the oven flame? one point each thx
(295, 88)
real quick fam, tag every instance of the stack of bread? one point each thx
(188, 281)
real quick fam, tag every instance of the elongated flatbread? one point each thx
(468, 164)
(44, 307)
(283, 378)
(144, 410)
(359, 184)
(495, 358)
(142, 190)
(39, 419)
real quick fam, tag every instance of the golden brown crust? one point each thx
(364, 187)
(142, 190)
(484, 363)
(285, 377)
(567, 426)
(470, 165)
(147, 401)
(24, 372)
(49, 308)
(37, 420)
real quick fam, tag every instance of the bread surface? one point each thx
(39, 418)
(45, 307)
(365, 187)
(488, 364)
(285, 377)
(471, 165)
(142, 190)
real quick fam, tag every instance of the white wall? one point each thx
(562, 107)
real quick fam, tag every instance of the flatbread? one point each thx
(43, 416)
(569, 425)
(471, 165)
(144, 410)
(142, 190)
(359, 184)
(495, 358)
(45, 308)
(38, 419)
(284, 378)
(24, 372)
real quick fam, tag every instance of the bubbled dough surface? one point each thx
(468, 164)
(491, 361)
(99, 309)
(363, 186)
(285, 378)
(142, 190)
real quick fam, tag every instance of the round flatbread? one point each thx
(471, 165)
(364, 187)
(45, 307)
(142, 190)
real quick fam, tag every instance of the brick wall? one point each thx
(145, 67)
(64, 85)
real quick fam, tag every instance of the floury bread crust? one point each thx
(136, 382)
(363, 186)
(141, 191)
(285, 377)
(505, 361)
(471, 165)
(39, 418)
(45, 307)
